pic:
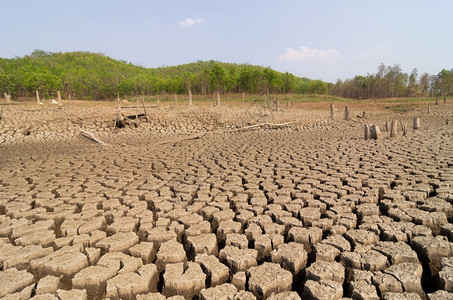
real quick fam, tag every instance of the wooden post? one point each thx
(190, 97)
(429, 109)
(445, 99)
(367, 131)
(176, 100)
(346, 113)
(332, 111)
(404, 129)
(136, 110)
(437, 100)
(144, 110)
(59, 97)
(217, 98)
(416, 123)
(37, 97)
(375, 132)
(393, 129)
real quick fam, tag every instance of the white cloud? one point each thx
(189, 22)
(307, 54)
(375, 52)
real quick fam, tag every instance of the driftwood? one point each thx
(283, 125)
(90, 136)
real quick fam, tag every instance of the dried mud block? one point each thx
(124, 224)
(237, 240)
(263, 244)
(338, 230)
(440, 295)
(338, 242)
(238, 259)
(73, 294)
(268, 278)
(368, 261)
(306, 236)
(226, 227)
(94, 279)
(309, 214)
(363, 290)
(93, 255)
(225, 291)
(48, 284)
(223, 215)
(97, 223)
(202, 244)
(326, 252)
(121, 262)
(409, 274)
(185, 282)
(119, 242)
(252, 231)
(285, 296)
(432, 250)
(191, 220)
(20, 257)
(363, 237)
(386, 283)
(322, 290)
(324, 270)
(151, 296)
(66, 261)
(70, 227)
(128, 285)
(401, 296)
(397, 252)
(145, 251)
(37, 227)
(217, 273)
(239, 280)
(446, 274)
(12, 281)
(44, 238)
(291, 256)
(198, 229)
(161, 235)
(169, 253)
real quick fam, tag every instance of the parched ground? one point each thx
(196, 204)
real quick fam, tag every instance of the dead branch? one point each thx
(188, 138)
(91, 136)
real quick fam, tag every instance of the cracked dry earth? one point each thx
(308, 211)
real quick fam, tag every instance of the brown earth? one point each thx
(196, 204)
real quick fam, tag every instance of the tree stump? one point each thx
(243, 97)
(416, 123)
(429, 109)
(437, 100)
(190, 97)
(393, 129)
(346, 112)
(332, 111)
(37, 97)
(386, 125)
(176, 100)
(375, 132)
(366, 131)
(217, 98)
(445, 99)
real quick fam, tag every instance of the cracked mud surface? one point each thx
(308, 210)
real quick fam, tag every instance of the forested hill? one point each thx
(85, 75)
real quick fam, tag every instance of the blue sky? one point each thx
(318, 39)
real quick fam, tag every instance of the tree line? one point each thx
(85, 75)
(391, 82)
